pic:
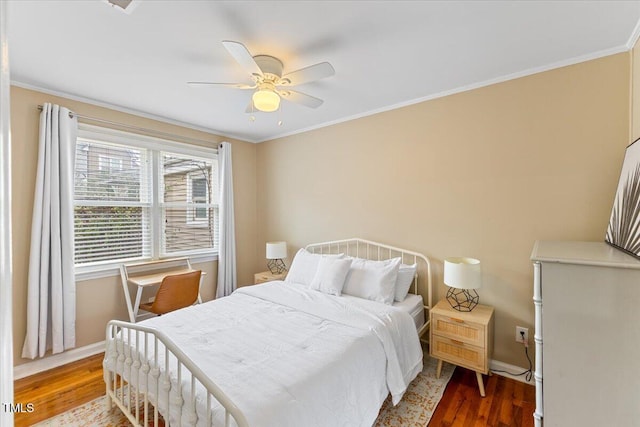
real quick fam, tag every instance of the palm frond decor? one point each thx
(624, 224)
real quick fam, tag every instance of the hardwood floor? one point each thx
(58, 390)
(508, 402)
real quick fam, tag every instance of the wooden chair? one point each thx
(175, 292)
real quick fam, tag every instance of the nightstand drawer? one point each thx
(459, 353)
(458, 329)
(261, 278)
(267, 276)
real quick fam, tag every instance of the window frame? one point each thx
(155, 146)
(107, 164)
(192, 216)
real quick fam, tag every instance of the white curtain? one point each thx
(227, 279)
(51, 295)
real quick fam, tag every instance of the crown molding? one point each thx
(564, 63)
(126, 110)
(633, 38)
(465, 88)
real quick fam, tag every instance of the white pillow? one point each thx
(330, 276)
(373, 280)
(304, 266)
(406, 273)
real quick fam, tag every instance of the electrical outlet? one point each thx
(519, 332)
(152, 299)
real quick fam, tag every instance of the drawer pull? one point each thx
(456, 342)
(457, 320)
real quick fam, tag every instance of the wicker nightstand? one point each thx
(267, 276)
(462, 338)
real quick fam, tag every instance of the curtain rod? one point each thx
(137, 128)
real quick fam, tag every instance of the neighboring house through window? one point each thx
(138, 197)
(189, 186)
(198, 194)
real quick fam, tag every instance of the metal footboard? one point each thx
(147, 376)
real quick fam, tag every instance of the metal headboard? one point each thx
(367, 249)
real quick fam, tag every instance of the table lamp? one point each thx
(463, 276)
(276, 252)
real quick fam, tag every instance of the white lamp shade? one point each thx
(276, 250)
(462, 273)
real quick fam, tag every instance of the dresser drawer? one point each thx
(459, 329)
(459, 353)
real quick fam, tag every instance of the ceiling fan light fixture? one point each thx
(267, 79)
(266, 100)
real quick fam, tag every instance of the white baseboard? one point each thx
(50, 362)
(506, 368)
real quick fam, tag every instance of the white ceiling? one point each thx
(386, 53)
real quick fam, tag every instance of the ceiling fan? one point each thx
(269, 84)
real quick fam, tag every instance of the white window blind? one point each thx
(139, 198)
(112, 202)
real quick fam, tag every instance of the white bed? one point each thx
(414, 305)
(305, 357)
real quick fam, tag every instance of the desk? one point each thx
(152, 278)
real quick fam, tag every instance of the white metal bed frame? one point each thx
(133, 399)
(146, 374)
(361, 248)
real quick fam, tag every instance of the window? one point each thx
(189, 183)
(142, 198)
(109, 164)
(199, 194)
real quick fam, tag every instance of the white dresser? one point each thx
(587, 335)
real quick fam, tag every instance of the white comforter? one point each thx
(290, 356)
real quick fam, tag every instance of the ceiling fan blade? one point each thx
(242, 55)
(233, 85)
(300, 98)
(308, 74)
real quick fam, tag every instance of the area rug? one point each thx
(415, 409)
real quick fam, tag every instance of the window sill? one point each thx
(113, 270)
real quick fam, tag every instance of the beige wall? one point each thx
(482, 173)
(102, 299)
